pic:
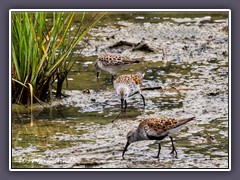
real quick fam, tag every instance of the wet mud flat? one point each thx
(189, 61)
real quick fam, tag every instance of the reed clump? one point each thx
(42, 46)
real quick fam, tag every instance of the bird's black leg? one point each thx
(122, 105)
(112, 79)
(98, 85)
(98, 74)
(173, 147)
(159, 149)
(125, 149)
(125, 107)
(143, 99)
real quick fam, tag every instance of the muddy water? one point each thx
(78, 132)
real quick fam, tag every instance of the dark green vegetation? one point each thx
(42, 48)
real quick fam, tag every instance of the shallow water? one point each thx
(77, 131)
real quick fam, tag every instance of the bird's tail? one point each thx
(185, 120)
(137, 60)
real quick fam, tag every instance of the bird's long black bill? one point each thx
(125, 149)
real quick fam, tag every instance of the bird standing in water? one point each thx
(156, 128)
(112, 63)
(128, 85)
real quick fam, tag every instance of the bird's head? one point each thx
(131, 137)
(122, 93)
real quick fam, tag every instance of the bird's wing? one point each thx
(152, 128)
(158, 128)
(137, 79)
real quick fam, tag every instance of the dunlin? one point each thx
(128, 85)
(156, 128)
(112, 63)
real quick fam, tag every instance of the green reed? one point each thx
(42, 45)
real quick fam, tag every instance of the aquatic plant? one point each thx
(42, 46)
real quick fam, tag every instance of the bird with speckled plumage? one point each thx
(156, 128)
(112, 63)
(128, 85)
